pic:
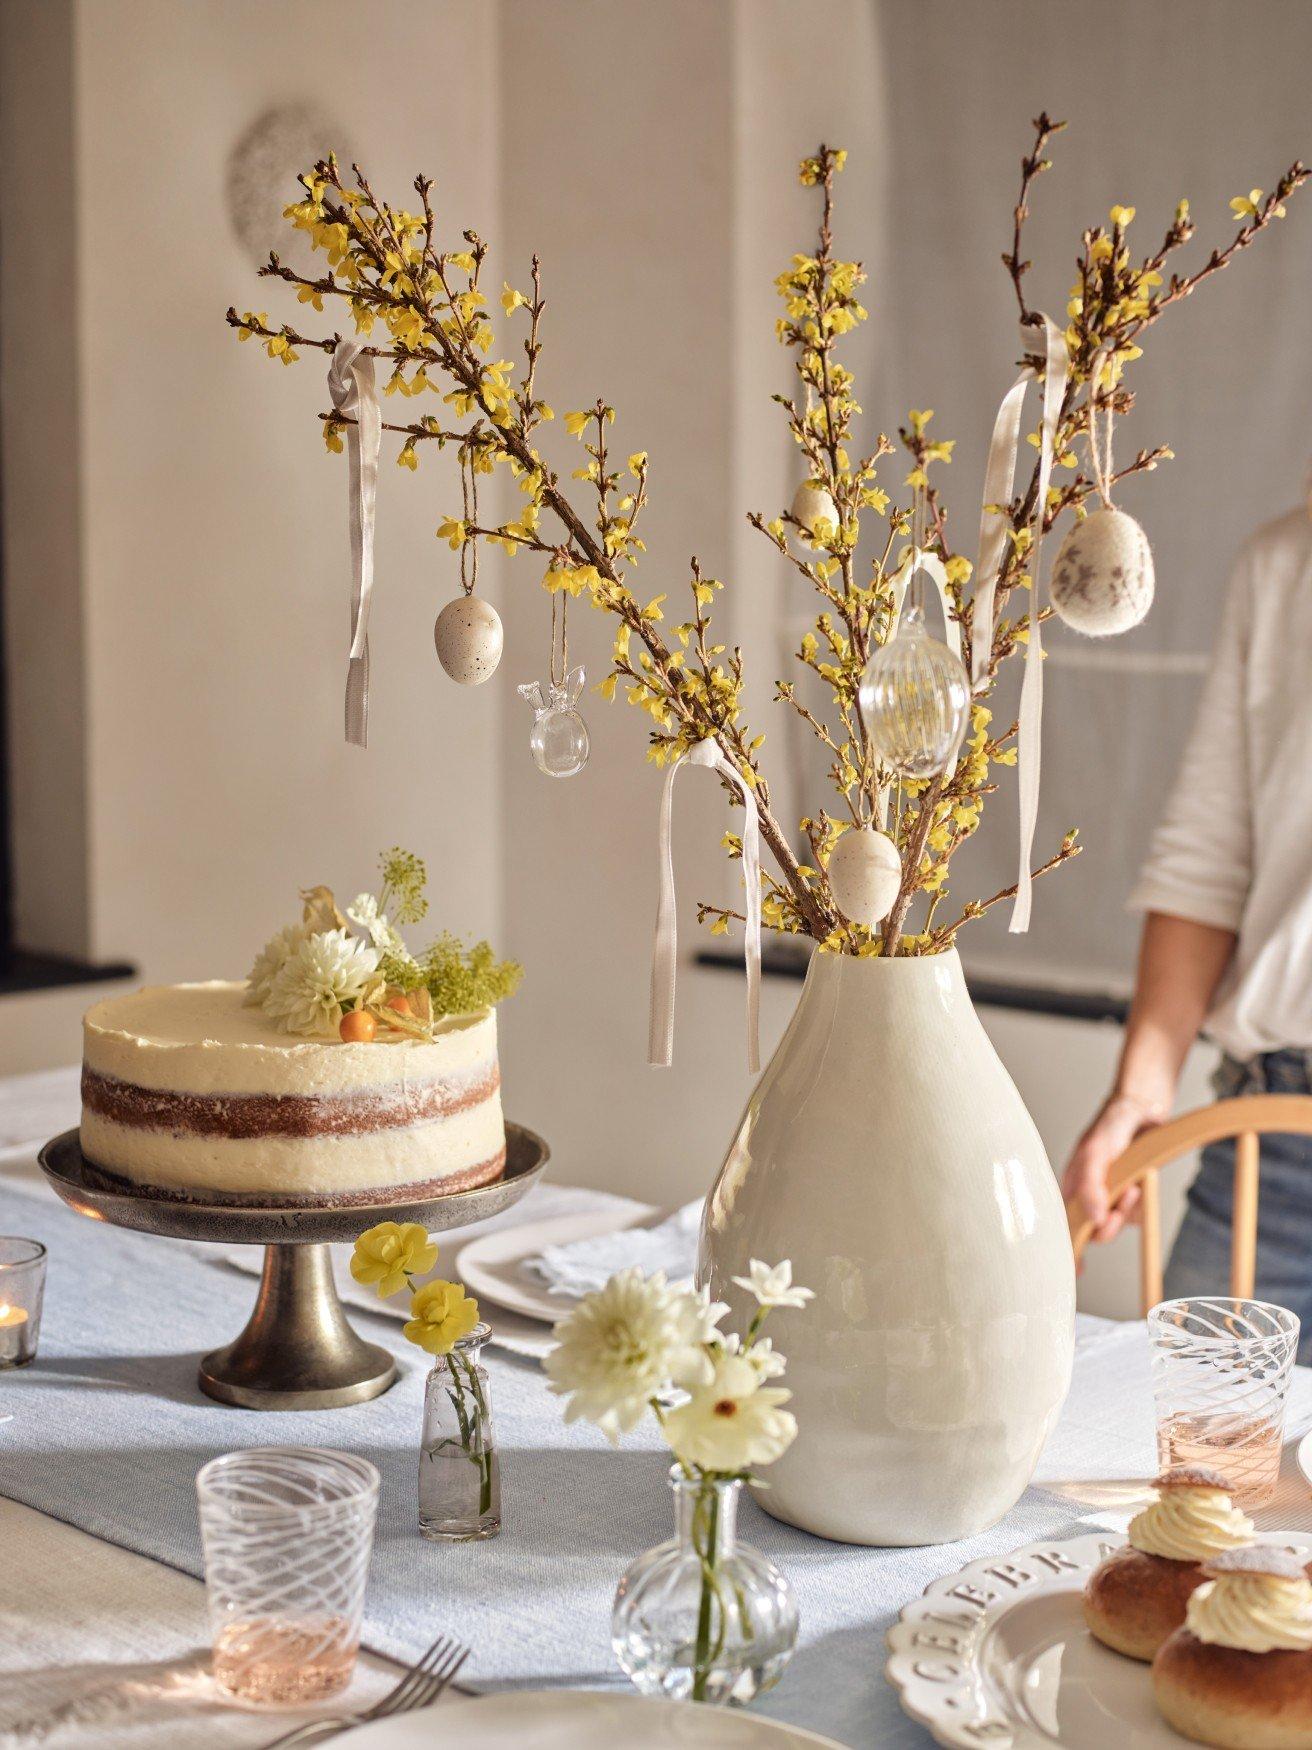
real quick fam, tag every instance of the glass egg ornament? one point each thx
(1103, 583)
(559, 738)
(915, 701)
(468, 637)
(865, 873)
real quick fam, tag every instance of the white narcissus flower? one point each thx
(317, 980)
(270, 961)
(773, 1287)
(626, 1344)
(696, 1315)
(762, 1354)
(365, 914)
(731, 1422)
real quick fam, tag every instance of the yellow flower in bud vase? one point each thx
(441, 1314)
(385, 1255)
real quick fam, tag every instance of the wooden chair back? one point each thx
(1246, 1119)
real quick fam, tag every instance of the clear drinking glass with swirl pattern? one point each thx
(287, 1533)
(1222, 1369)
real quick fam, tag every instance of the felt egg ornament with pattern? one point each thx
(865, 873)
(468, 637)
(1102, 583)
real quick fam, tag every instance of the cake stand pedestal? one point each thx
(297, 1351)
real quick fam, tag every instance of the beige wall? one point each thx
(213, 541)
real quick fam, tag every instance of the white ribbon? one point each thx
(999, 478)
(351, 385)
(911, 560)
(664, 956)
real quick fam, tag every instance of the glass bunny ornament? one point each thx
(559, 740)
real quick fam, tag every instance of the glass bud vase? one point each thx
(459, 1477)
(704, 1617)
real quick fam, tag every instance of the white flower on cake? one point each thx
(269, 962)
(625, 1344)
(367, 914)
(732, 1421)
(773, 1287)
(318, 979)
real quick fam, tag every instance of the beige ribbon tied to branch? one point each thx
(665, 948)
(999, 479)
(354, 396)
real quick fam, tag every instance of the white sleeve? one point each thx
(1199, 863)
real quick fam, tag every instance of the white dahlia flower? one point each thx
(317, 979)
(627, 1343)
(270, 961)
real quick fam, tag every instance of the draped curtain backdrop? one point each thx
(1185, 97)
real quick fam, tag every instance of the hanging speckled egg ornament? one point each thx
(915, 701)
(814, 504)
(865, 873)
(468, 637)
(1102, 583)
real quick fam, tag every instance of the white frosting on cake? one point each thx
(185, 1088)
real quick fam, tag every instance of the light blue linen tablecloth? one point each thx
(109, 1431)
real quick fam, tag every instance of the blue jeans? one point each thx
(1200, 1259)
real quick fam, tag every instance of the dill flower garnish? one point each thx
(461, 979)
(404, 878)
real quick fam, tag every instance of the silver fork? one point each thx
(423, 1683)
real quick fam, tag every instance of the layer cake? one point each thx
(186, 1090)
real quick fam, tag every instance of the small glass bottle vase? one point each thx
(459, 1477)
(704, 1617)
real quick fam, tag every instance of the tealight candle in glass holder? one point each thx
(22, 1282)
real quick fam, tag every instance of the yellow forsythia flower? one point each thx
(1121, 216)
(575, 422)
(386, 1254)
(452, 531)
(441, 1314)
(1245, 206)
(511, 299)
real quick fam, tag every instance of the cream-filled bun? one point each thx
(1239, 1673)
(1138, 1596)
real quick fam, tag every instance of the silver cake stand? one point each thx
(297, 1351)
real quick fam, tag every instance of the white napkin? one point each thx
(583, 1266)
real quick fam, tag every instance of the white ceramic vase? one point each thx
(886, 1151)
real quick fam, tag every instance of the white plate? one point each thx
(566, 1719)
(998, 1654)
(492, 1267)
(1303, 1455)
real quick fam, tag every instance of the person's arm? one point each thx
(1180, 965)
(1193, 888)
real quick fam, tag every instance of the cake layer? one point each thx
(468, 1149)
(200, 1039)
(245, 1115)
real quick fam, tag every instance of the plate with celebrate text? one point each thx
(998, 1655)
